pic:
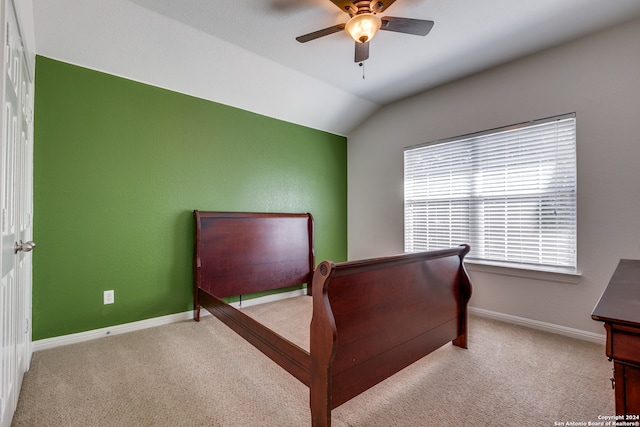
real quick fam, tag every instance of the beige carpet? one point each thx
(202, 374)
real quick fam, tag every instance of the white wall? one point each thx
(24, 10)
(598, 77)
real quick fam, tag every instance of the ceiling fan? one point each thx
(364, 23)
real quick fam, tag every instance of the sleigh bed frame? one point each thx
(371, 318)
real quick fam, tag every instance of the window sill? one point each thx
(548, 275)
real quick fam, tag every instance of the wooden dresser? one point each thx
(619, 309)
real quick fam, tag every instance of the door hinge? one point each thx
(26, 325)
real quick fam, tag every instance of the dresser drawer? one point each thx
(625, 344)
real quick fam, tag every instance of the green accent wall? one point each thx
(119, 168)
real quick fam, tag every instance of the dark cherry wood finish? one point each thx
(277, 247)
(619, 309)
(371, 318)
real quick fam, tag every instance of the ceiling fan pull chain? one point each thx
(362, 65)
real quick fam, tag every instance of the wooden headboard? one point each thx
(243, 253)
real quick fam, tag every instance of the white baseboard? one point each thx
(178, 317)
(111, 330)
(270, 298)
(543, 326)
(47, 343)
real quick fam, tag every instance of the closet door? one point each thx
(16, 167)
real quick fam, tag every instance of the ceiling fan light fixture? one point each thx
(363, 27)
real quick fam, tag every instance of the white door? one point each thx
(16, 167)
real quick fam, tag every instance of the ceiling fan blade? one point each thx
(381, 5)
(320, 33)
(362, 51)
(345, 5)
(417, 27)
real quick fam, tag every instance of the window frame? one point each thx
(564, 273)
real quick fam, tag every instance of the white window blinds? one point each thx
(510, 193)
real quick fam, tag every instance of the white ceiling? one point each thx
(243, 53)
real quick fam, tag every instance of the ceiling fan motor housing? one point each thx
(361, 7)
(364, 23)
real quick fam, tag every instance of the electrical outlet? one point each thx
(108, 297)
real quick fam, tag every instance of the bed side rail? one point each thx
(288, 355)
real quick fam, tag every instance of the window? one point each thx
(510, 193)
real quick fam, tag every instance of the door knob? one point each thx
(24, 247)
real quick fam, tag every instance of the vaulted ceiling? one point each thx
(243, 53)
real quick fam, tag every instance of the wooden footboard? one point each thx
(373, 318)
